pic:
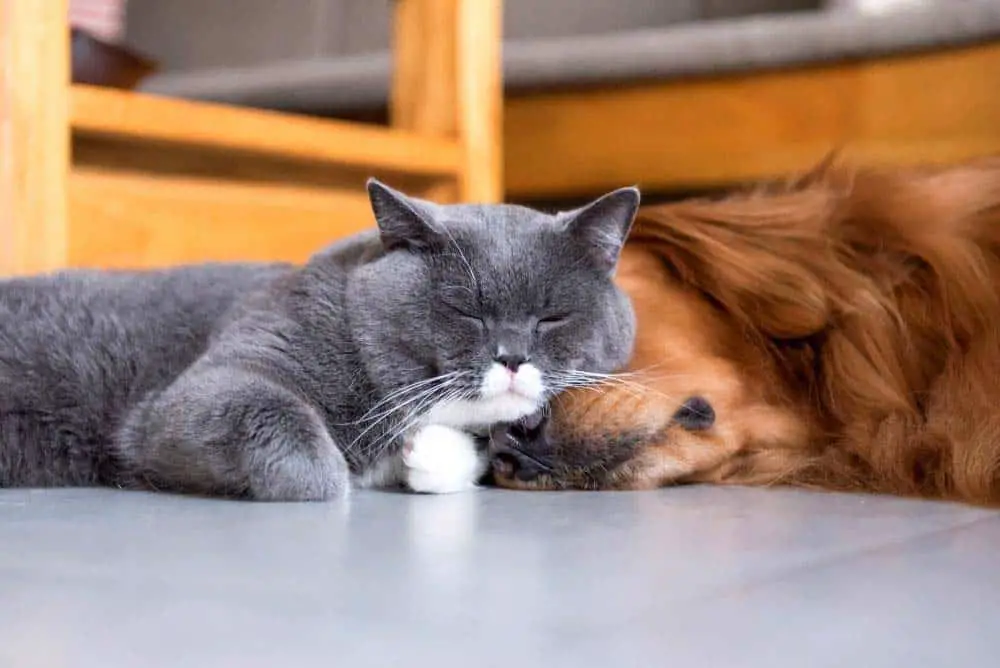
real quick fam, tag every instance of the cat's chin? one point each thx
(484, 412)
(503, 396)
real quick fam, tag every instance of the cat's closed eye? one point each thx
(465, 314)
(548, 323)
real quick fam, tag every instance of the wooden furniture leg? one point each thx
(34, 134)
(447, 82)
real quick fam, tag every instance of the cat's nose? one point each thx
(512, 361)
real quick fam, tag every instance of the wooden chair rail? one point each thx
(120, 114)
(163, 181)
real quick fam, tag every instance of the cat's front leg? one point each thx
(229, 432)
(440, 460)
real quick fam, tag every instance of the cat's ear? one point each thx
(402, 221)
(603, 225)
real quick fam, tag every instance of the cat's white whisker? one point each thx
(600, 382)
(422, 396)
(378, 418)
(390, 397)
(420, 399)
(465, 260)
(413, 412)
(412, 419)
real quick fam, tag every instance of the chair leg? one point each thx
(447, 82)
(35, 140)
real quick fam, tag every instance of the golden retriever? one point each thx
(841, 332)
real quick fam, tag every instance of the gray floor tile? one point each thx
(700, 576)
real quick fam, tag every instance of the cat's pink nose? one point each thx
(511, 361)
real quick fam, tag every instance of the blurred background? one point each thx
(222, 129)
(618, 66)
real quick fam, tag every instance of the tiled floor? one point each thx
(686, 577)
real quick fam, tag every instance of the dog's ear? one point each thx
(820, 173)
(765, 260)
(778, 296)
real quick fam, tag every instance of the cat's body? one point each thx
(376, 358)
(78, 349)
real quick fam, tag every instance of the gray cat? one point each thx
(375, 361)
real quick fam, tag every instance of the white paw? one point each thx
(441, 460)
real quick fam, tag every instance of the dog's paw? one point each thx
(441, 460)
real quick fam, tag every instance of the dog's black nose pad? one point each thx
(529, 427)
(511, 463)
(510, 443)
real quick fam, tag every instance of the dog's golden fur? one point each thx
(845, 328)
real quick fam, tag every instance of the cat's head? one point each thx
(504, 305)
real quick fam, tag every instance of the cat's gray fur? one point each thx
(254, 380)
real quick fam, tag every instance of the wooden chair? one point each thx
(101, 177)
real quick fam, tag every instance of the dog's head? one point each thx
(769, 324)
(695, 396)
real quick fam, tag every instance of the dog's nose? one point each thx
(517, 449)
(511, 463)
